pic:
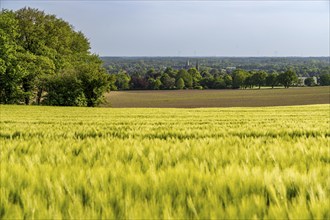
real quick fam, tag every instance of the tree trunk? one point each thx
(39, 96)
(27, 100)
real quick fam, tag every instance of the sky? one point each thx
(195, 28)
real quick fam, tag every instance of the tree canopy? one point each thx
(216, 72)
(40, 54)
(287, 78)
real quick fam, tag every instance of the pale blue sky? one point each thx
(195, 28)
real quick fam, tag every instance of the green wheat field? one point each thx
(218, 163)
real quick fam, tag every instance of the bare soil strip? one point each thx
(218, 98)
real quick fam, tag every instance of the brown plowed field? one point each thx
(218, 98)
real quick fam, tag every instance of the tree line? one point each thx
(303, 66)
(193, 79)
(43, 60)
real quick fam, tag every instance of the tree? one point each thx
(171, 73)
(35, 70)
(219, 83)
(64, 89)
(196, 76)
(157, 84)
(309, 81)
(187, 78)
(39, 54)
(180, 84)
(214, 72)
(167, 81)
(154, 83)
(228, 80)
(325, 79)
(35, 48)
(238, 77)
(152, 73)
(259, 78)
(94, 80)
(122, 80)
(112, 82)
(10, 74)
(207, 80)
(287, 78)
(139, 82)
(272, 79)
(249, 81)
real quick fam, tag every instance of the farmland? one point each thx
(219, 98)
(67, 162)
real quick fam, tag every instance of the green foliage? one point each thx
(239, 77)
(122, 81)
(309, 81)
(303, 66)
(210, 68)
(249, 81)
(206, 163)
(325, 79)
(187, 78)
(94, 81)
(180, 84)
(35, 48)
(219, 83)
(154, 84)
(167, 81)
(198, 87)
(272, 79)
(196, 76)
(259, 78)
(228, 80)
(287, 78)
(207, 82)
(171, 72)
(64, 89)
(10, 76)
(112, 82)
(157, 84)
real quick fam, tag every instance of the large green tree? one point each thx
(309, 81)
(180, 84)
(122, 80)
(325, 79)
(94, 80)
(35, 48)
(238, 77)
(287, 78)
(196, 76)
(187, 78)
(167, 81)
(272, 79)
(64, 89)
(259, 78)
(10, 71)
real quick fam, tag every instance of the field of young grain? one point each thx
(93, 163)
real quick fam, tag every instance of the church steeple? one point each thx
(187, 64)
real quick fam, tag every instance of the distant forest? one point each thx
(215, 72)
